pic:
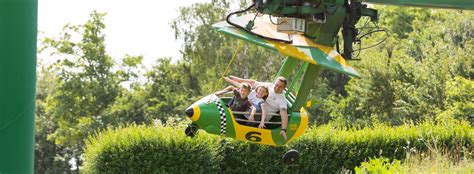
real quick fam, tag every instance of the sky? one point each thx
(134, 27)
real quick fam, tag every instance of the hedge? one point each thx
(146, 149)
(324, 149)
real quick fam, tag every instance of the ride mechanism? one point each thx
(306, 31)
(307, 36)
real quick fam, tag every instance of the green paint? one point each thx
(18, 27)
(325, 34)
(316, 54)
(293, 119)
(300, 72)
(230, 129)
(237, 33)
(312, 72)
(288, 66)
(328, 62)
(210, 118)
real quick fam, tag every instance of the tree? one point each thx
(168, 90)
(459, 100)
(85, 85)
(47, 153)
(208, 52)
(411, 84)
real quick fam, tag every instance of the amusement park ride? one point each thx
(306, 31)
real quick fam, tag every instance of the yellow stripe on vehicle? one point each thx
(303, 124)
(338, 58)
(329, 51)
(292, 51)
(253, 134)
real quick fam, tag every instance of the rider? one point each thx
(275, 102)
(240, 100)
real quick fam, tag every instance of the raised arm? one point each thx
(231, 81)
(227, 89)
(253, 83)
(284, 122)
(264, 115)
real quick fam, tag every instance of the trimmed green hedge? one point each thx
(324, 149)
(330, 149)
(142, 149)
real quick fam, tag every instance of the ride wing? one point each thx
(301, 47)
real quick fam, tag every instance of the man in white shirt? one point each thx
(275, 102)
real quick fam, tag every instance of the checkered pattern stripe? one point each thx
(223, 117)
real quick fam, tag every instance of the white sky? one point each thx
(135, 27)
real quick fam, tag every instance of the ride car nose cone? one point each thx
(189, 112)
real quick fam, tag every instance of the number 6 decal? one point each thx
(253, 136)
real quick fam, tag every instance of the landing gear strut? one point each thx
(290, 157)
(191, 130)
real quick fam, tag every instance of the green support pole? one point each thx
(312, 72)
(287, 68)
(18, 27)
(297, 76)
(326, 33)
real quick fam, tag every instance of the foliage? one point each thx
(208, 52)
(86, 84)
(379, 165)
(408, 78)
(165, 93)
(85, 90)
(459, 100)
(323, 149)
(142, 149)
(48, 156)
(437, 160)
(423, 70)
(167, 79)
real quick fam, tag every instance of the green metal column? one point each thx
(300, 72)
(18, 27)
(288, 66)
(326, 33)
(312, 72)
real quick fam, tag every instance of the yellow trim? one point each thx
(292, 51)
(329, 51)
(341, 60)
(241, 131)
(196, 114)
(303, 125)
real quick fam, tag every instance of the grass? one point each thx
(438, 161)
(435, 160)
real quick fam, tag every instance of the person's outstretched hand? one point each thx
(283, 133)
(261, 125)
(226, 78)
